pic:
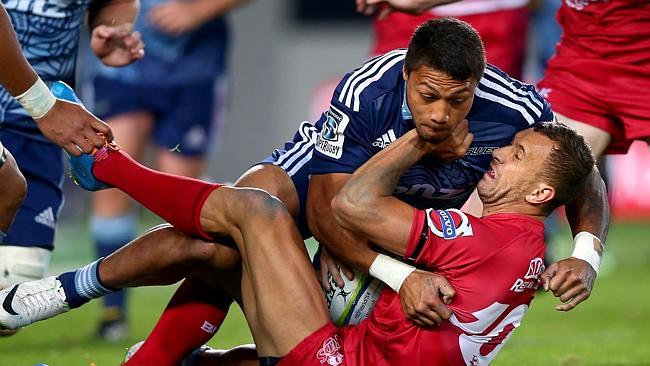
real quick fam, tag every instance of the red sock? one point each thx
(188, 322)
(178, 200)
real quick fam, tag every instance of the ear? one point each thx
(405, 74)
(542, 194)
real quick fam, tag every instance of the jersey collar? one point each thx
(406, 112)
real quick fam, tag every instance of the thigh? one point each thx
(42, 165)
(598, 138)
(184, 118)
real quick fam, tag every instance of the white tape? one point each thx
(37, 100)
(584, 248)
(390, 271)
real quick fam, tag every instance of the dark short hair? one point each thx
(448, 45)
(568, 165)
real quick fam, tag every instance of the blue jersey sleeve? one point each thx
(345, 139)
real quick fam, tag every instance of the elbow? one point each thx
(347, 210)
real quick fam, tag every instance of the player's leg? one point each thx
(12, 190)
(272, 179)
(113, 222)
(277, 277)
(25, 253)
(598, 139)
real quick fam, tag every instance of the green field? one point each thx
(611, 328)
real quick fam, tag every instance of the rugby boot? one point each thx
(81, 168)
(29, 302)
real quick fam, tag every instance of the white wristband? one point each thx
(37, 100)
(584, 248)
(390, 271)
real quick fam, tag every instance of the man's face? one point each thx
(515, 169)
(437, 101)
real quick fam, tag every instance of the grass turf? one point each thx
(611, 328)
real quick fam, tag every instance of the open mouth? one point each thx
(490, 173)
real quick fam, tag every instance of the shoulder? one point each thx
(509, 98)
(372, 80)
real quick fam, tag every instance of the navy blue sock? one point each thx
(84, 284)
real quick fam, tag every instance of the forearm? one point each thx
(378, 177)
(112, 12)
(589, 211)
(16, 75)
(342, 244)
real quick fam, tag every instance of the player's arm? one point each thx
(176, 17)
(572, 279)
(112, 38)
(366, 206)
(66, 124)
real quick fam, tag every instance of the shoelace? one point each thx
(43, 302)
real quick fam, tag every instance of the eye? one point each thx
(429, 97)
(458, 101)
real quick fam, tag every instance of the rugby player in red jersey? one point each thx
(600, 65)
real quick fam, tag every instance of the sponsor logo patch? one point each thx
(450, 228)
(330, 140)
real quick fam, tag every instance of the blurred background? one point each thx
(284, 59)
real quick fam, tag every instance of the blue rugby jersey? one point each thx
(48, 31)
(369, 111)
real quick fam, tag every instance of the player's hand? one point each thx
(571, 280)
(176, 17)
(329, 265)
(425, 297)
(455, 145)
(70, 125)
(117, 45)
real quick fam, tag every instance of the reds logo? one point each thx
(579, 4)
(329, 353)
(535, 268)
(449, 229)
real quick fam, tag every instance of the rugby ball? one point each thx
(355, 301)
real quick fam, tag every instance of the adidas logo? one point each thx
(385, 139)
(46, 218)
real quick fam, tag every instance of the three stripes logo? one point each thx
(385, 139)
(46, 218)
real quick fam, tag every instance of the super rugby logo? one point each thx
(448, 227)
(329, 353)
(330, 140)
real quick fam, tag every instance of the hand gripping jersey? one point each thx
(48, 31)
(369, 111)
(493, 263)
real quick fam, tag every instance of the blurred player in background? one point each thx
(48, 33)
(65, 124)
(170, 97)
(502, 25)
(600, 66)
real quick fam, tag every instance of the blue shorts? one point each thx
(294, 158)
(184, 115)
(42, 165)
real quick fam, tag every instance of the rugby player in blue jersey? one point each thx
(33, 122)
(441, 87)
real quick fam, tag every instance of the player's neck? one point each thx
(512, 208)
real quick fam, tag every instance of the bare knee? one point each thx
(13, 185)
